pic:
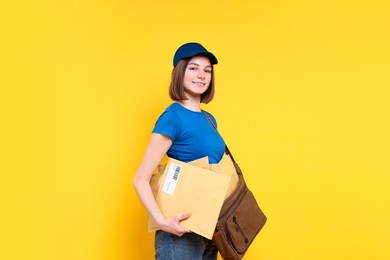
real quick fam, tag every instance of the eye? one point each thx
(208, 71)
(192, 68)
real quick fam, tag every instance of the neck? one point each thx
(191, 104)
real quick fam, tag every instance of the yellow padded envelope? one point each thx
(184, 187)
(226, 167)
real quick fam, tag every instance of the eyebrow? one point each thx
(193, 63)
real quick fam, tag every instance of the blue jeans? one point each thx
(190, 246)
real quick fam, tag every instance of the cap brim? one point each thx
(211, 56)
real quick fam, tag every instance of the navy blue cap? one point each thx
(191, 49)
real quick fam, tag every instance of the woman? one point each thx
(183, 132)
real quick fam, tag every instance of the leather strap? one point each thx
(227, 151)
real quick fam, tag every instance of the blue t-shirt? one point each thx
(192, 134)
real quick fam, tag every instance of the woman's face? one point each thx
(197, 76)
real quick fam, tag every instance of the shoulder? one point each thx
(170, 111)
(173, 109)
(169, 114)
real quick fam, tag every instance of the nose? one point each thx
(201, 74)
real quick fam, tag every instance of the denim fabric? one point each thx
(190, 246)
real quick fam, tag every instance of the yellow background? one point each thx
(302, 101)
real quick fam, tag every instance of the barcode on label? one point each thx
(172, 178)
(177, 171)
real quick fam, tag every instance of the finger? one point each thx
(183, 231)
(183, 216)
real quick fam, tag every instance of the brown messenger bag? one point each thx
(240, 219)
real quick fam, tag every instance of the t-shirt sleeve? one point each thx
(167, 124)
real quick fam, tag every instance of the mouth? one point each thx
(200, 84)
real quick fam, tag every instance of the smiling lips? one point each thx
(201, 84)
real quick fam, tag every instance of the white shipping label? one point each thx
(171, 179)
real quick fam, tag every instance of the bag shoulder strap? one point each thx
(227, 151)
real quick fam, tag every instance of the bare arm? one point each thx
(158, 146)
